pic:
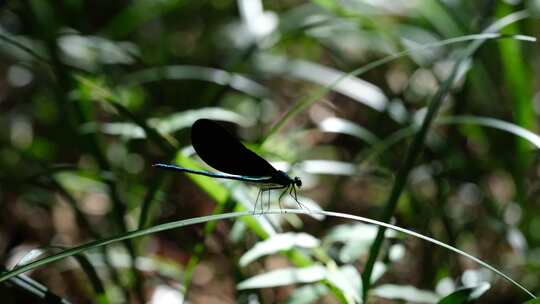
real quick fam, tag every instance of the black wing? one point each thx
(222, 151)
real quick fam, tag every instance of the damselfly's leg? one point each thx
(260, 196)
(281, 196)
(292, 192)
(274, 188)
(256, 200)
(268, 202)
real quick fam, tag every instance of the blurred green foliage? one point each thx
(92, 93)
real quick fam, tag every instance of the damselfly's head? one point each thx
(297, 182)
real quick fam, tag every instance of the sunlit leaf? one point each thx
(330, 167)
(185, 119)
(167, 294)
(276, 243)
(285, 276)
(355, 88)
(348, 281)
(339, 125)
(493, 123)
(405, 293)
(32, 255)
(349, 233)
(356, 239)
(88, 52)
(258, 22)
(307, 294)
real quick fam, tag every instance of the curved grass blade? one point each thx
(30, 49)
(198, 220)
(495, 123)
(188, 72)
(83, 262)
(35, 288)
(343, 126)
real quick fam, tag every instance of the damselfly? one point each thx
(223, 152)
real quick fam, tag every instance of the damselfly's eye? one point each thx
(297, 181)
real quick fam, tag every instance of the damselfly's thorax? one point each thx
(281, 178)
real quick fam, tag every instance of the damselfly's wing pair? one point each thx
(223, 152)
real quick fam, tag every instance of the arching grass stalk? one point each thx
(204, 219)
(482, 121)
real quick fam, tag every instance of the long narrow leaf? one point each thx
(198, 220)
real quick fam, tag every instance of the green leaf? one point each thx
(329, 167)
(30, 256)
(285, 276)
(89, 52)
(137, 14)
(339, 125)
(405, 293)
(276, 243)
(307, 294)
(465, 295)
(348, 281)
(356, 239)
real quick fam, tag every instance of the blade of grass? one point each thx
(502, 125)
(417, 144)
(518, 81)
(204, 219)
(520, 132)
(93, 278)
(35, 288)
(13, 41)
(181, 72)
(83, 262)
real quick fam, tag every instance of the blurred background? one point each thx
(92, 93)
